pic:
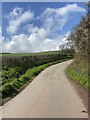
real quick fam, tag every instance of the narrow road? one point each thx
(50, 95)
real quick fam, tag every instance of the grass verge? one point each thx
(78, 73)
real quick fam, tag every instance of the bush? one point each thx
(16, 84)
(8, 90)
(24, 78)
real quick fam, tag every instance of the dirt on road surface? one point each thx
(50, 95)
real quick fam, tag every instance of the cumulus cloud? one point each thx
(1, 39)
(31, 28)
(64, 10)
(55, 18)
(68, 9)
(32, 43)
(15, 13)
(39, 38)
(16, 18)
(19, 43)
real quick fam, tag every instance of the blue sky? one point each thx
(36, 26)
(0, 12)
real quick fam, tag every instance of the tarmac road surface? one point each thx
(49, 95)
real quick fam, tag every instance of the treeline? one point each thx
(79, 37)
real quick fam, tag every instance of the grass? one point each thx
(12, 88)
(29, 54)
(79, 73)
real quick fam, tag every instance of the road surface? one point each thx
(50, 95)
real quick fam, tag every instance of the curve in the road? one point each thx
(50, 95)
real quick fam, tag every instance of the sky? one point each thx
(38, 26)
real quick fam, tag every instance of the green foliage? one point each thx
(33, 60)
(30, 54)
(80, 74)
(16, 84)
(24, 78)
(13, 86)
(14, 67)
(10, 74)
(79, 37)
(20, 69)
(8, 90)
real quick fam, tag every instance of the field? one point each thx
(29, 54)
(38, 53)
(18, 70)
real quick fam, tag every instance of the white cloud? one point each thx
(64, 40)
(15, 13)
(18, 43)
(16, 18)
(68, 9)
(42, 38)
(55, 18)
(32, 43)
(42, 33)
(31, 28)
(1, 39)
(64, 10)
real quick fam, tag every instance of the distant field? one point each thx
(29, 54)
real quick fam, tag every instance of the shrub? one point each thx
(24, 78)
(13, 80)
(16, 84)
(8, 90)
